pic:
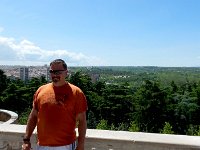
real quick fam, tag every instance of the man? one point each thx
(58, 107)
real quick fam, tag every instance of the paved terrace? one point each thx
(11, 139)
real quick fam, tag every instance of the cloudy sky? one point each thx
(100, 32)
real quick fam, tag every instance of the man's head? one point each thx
(58, 71)
(59, 61)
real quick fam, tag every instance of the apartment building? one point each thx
(24, 73)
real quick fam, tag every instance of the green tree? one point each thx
(23, 117)
(133, 127)
(185, 109)
(3, 81)
(194, 130)
(103, 125)
(82, 80)
(16, 98)
(122, 126)
(174, 87)
(99, 87)
(167, 129)
(150, 107)
(117, 99)
(91, 120)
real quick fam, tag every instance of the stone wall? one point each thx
(11, 139)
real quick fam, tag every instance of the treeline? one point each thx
(148, 106)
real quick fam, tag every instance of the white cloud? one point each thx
(27, 53)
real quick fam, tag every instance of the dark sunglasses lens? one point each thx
(56, 72)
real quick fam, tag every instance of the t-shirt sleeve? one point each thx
(35, 100)
(81, 103)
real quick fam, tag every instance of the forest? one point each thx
(137, 99)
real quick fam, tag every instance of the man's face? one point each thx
(58, 73)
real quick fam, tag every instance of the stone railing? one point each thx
(8, 117)
(11, 139)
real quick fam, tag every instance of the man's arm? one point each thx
(82, 126)
(31, 124)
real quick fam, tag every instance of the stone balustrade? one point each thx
(11, 139)
(8, 117)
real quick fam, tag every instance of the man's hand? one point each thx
(26, 146)
(80, 147)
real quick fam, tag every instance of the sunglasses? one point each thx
(56, 72)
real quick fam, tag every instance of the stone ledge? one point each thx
(109, 140)
(141, 137)
(8, 117)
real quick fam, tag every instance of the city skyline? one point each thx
(100, 33)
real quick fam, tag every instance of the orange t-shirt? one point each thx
(57, 110)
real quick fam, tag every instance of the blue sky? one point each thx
(100, 32)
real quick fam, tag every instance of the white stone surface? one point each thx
(145, 137)
(11, 137)
(13, 116)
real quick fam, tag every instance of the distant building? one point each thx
(24, 74)
(48, 78)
